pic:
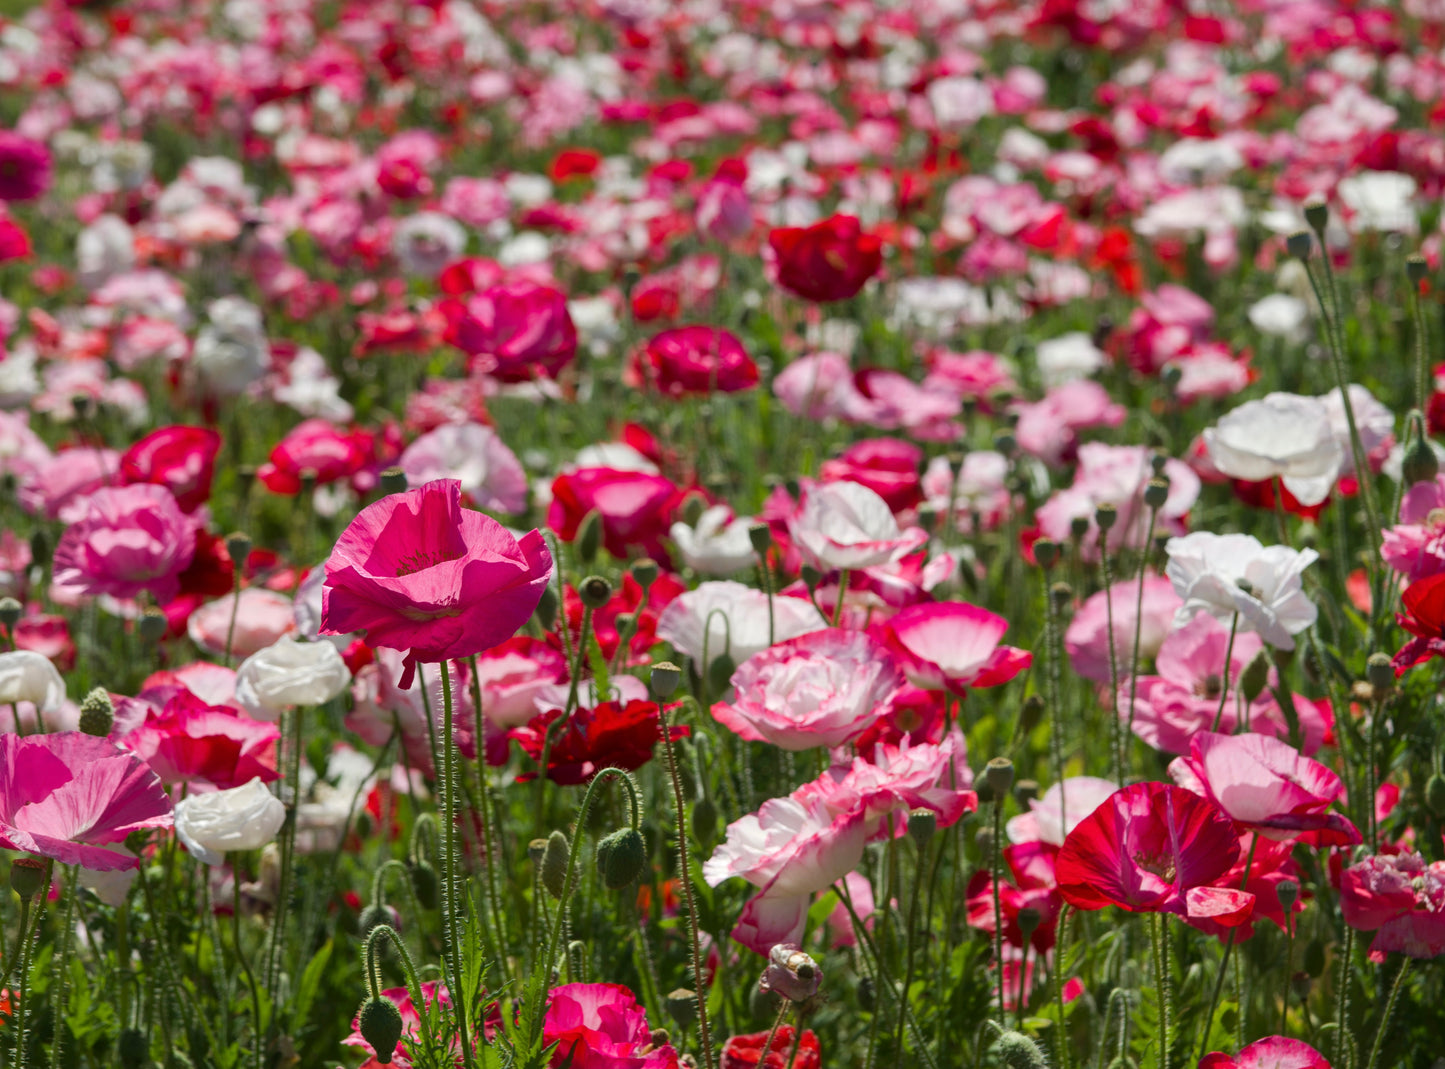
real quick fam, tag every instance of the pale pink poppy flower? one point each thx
(57, 487)
(21, 450)
(847, 525)
(262, 617)
(214, 684)
(388, 698)
(951, 645)
(1209, 371)
(130, 539)
(820, 689)
(1399, 897)
(475, 455)
(820, 386)
(728, 617)
(1048, 429)
(897, 778)
(1118, 475)
(1416, 547)
(1087, 637)
(979, 493)
(1051, 817)
(974, 374)
(514, 675)
(720, 544)
(67, 796)
(896, 402)
(1272, 1052)
(1266, 786)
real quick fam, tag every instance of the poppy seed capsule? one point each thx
(664, 679)
(238, 547)
(1025, 791)
(1288, 893)
(682, 1005)
(1317, 215)
(1106, 516)
(1416, 268)
(1299, 244)
(1046, 552)
(761, 537)
(1380, 673)
(27, 876)
(393, 481)
(380, 1025)
(10, 611)
(595, 592)
(645, 572)
(922, 823)
(1156, 493)
(1000, 775)
(152, 625)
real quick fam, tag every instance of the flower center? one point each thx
(421, 560)
(1210, 686)
(1161, 865)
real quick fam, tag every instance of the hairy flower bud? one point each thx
(595, 591)
(97, 713)
(621, 857)
(380, 1025)
(554, 864)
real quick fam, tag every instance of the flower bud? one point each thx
(621, 857)
(380, 1025)
(1314, 961)
(554, 864)
(1244, 584)
(152, 625)
(1046, 552)
(1000, 775)
(589, 537)
(1416, 268)
(1156, 493)
(547, 608)
(10, 612)
(39, 545)
(1255, 677)
(393, 481)
(374, 916)
(424, 884)
(595, 592)
(1018, 1051)
(1288, 894)
(1025, 791)
(1435, 794)
(97, 713)
(720, 672)
(867, 994)
(1031, 713)
(1317, 215)
(693, 506)
(1299, 244)
(1380, 673)
(682, 1005)
(645, 572)
(704, 819)
(1171, 376)
(27, 876)
(922, 823)
(238, 548)
(1029, 921)
(761, 536)
(1420, 464)
(663, 680)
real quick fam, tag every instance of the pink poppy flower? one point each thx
(65, 796)
(951, 645)
(432, 991)
(475, 455)
(313, 446)
(382, 706)
(820, 386)
(635, 508)
(601, 1026)
(1399, 897)
(847, 525)
(131, 539)
(1416, 546)
(1154, 848)
(887, 466)
(417, 572)
(262, 617)
(1061, 809)
(1086, 640)
(1032, 867)
(514, 675)
(188, 741)
(1049, 428)
(820, 689)
(1266, 786)
(515, 331)
(24, 167)
(693, 360)
(58, 486)
(1271, 1052)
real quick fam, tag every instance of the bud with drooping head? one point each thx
(1255, 676)
(1018, 1051)
(554, 864)
(97, 713)
(424, 883)
(379, 1022)
(1435, 794)
(589, 537)
(621, 857)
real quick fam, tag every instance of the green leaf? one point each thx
(310, 983)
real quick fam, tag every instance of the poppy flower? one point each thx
(1033, 887)
(1154, 848)
(635, 508)
(747, 1052)
(693, 360)
(317, 447)
(419, 573)
(601, 1026)
(1399, 897)
(67, 795)
(188, 741)
(182, 459)
(828, 261)
(130, 539)
(1271, 1052)
(951, 645)
(24, 167)
(514, 331)
(615, 734)
(887, 466)
(1424, 617)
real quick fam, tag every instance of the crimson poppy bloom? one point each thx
(828, 261)
(189, 741)
(1272, 1052)
(693, 360)
(24, 167)
(419, 573)
(1033, 887)
(1154, 848)
(746, 1052)
(515, 331)
(1424, 617)
(182, 459)
(608, 735)
(635, 508)
(1399, 897)
(314, 446)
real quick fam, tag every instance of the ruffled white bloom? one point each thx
(1068, 357)
(1380, 200)
(231, 351)
(426, 242)
(847, 525)
(1281, 315)
(26, 676)
(733, 618)
(242, 818)
(1228, 574)
(289, 673)
(717, 545)
(1283, 435)
(473, 454)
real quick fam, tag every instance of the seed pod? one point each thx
(238, 547)
(1380, 672)
(380, 1025)
(664, 679)
(1018, 1051)
(1299, 244)
(554, 864)
(1000, 775)
(645, 572)
(761, 537)
(97, 713)
(682, 1004)
(393, 481)
(621, 857)
(10, 611)
(922, 823)
(1317, 215)
(27, 876)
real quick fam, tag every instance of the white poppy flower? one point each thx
(26, 676)
(717, 545)
(288, 673)
(847, 525)
(731, 617)
(1282, 435)
(1228, 574)
(242, 818)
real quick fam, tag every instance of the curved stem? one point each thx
(413, 984)
(1224, 686)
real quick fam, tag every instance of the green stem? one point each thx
(1224, 685)
(1138, 627)
(1161, 969)
(257, 1037)
(61, 999)
(1395, 990)
(1116, 728)
(1342, 1003)
(452, 950)
(918, 879)
(996, 871)
(292, 788)
(20, 1006)
(1061, 1045)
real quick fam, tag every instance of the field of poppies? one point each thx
(632, 534)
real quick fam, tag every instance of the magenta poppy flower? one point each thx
(185, 740)
(130, 539)
(601, 1026)
(1266, 786)
(419, 573)
(65, 796)
(952, 645)
(515, 331)
(182, 459)
(635, 508)
(693, 360)
(1271, 1052)
(1399, 897)
(24, 167)
(315, 446)
(1154, 848)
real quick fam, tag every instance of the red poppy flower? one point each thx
(626, 599)
(1154, 848)
(1424, 617)
(745, 1052)
(1032, 866)
(828, 261)
(887, 466)
(609, 735)
(182, 459)
(693, 360)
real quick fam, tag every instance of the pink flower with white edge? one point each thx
(820, 689)
(1087, 637)
(847, 525)
(1266, 786)
(1271, 1052)
(951, 645)
(1399, 897)
(514, 675)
